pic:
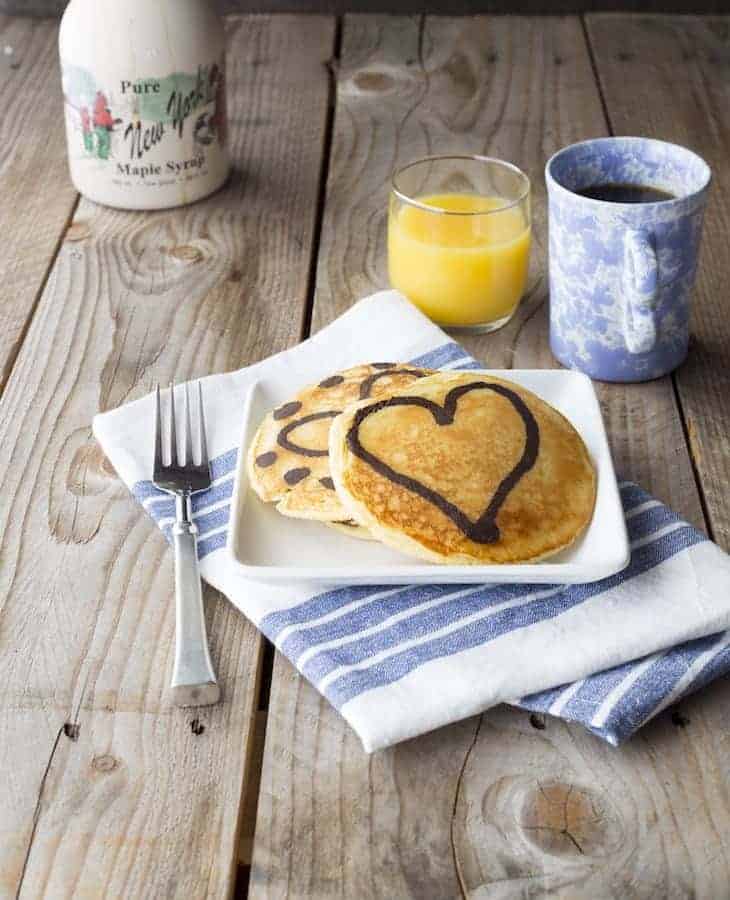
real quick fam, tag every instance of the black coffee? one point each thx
(625, 193)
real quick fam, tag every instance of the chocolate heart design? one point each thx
(484, 530)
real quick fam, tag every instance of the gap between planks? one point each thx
(5, 375)
(332, 69)
(29, 79)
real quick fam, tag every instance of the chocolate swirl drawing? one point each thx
(284, 439)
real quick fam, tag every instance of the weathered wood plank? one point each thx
(647, 53)
(107, 789)
(558, 813)
(251, 791)
(462, 812)
(334, 822)
(37, 195)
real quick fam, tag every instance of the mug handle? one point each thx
(640, 278)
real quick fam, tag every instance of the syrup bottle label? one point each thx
(147, 132)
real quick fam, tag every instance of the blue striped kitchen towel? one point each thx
(400, 661)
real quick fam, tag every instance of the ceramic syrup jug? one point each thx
(144, 95)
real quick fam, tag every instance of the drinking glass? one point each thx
(459, 239)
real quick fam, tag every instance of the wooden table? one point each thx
(106, 789)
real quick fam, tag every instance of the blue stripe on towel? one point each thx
(223, 464)
(644, 695)
(594, 691)
(632, 495)
(144, 490)
(473, 364)
(212, 520)
(442, 356)
(421, 624)
(544, 700)
(316, 607)
(650, 520)
(397, 666)
(650, 689)
(717, 665)
(366, 615)
(214, 542)
(162, 506)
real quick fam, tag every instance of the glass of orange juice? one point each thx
(459, 239)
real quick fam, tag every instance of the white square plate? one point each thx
(270, 547)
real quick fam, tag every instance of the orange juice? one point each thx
(460, 269)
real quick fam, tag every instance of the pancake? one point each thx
(351, 529)
(464, 468)
(288, 462)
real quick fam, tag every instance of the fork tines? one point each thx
(168, 458)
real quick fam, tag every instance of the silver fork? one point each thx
(193, 678)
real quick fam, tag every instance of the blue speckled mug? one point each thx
(621, 274)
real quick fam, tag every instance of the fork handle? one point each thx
(193, 678)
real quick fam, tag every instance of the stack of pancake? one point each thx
(453, 467)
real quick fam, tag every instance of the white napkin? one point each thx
(401, 661)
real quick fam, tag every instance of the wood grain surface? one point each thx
(506, 804)
(107, 789)
(646, 53)
(31, 136)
